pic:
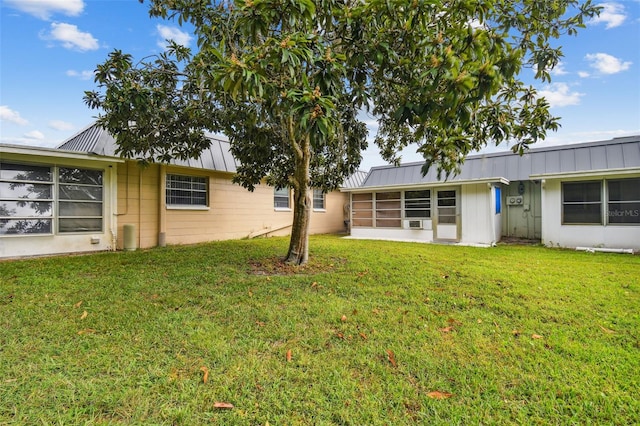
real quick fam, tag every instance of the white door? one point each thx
(447, 215)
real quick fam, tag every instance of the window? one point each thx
(362, 210)
(388, 211)
(186, 190)
(31, 197)
(498, 194)
(281, 198)
(582, 202)
(417, 204)
(26, 199)
(447, 207)
(624, 201)
(319, 199)
(79, 200)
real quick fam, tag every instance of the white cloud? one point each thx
(43, 9)
(606, 64)
(7, 114)
(172, 33)
(34, 134)
(82, 75)
(71, 37)
(61, 125)
(612, 15)
(583, 74)
(559, 95)
(559, 70)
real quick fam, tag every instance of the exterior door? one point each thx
(447, 226)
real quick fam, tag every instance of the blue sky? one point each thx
(49, 49)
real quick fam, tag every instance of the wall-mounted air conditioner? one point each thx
(415, 224)
(515, 200)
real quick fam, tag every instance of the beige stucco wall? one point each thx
(233, 212)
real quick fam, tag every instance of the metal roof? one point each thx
(614, 154)
(96, 140)
(355, 180)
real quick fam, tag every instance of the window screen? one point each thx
(281, 198)
(319, 199)
(186, 190)
(582, 202)
(624, 201)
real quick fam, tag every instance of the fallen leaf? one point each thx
(536, 336)
(250, 293)
(344, 318)
(364, 336)
(222, 405)
(392, 357)
(439, 395)
(314, 284)
(84, 315)
(516, 333)
(77, 305)
(447, 329)
(340, 336)
(205, 376)
(479, 321)
(606, 330)
(260, 323)
(87, 331)
(289, 354)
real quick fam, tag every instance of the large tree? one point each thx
(286, 80)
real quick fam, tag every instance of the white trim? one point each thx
(56, 153)
(588, 173)
(187, 207)
(425, 185)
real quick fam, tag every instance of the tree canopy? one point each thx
(287, 81)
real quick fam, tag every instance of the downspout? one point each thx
(140, 207)
(113, 182)
(162, 210)
(114, 231)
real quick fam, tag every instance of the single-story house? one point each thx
(82, 197)
(576, 195)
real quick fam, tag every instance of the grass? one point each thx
(364, 335)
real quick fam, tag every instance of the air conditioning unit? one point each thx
(515, 200)
(415, 224)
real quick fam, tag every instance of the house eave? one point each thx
(492, 180)
(21, 150)
(587, 173)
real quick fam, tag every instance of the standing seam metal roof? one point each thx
(96, 140)
(618, 153)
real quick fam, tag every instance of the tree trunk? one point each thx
(299, 244)
(298, 253)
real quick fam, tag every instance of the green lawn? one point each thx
(369, 333)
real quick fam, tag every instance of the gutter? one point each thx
(502, 180)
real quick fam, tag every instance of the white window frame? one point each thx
(320, 197)
(604, 203)
(55, 201)
(193, 181)
(279, 195)
(412, 202)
